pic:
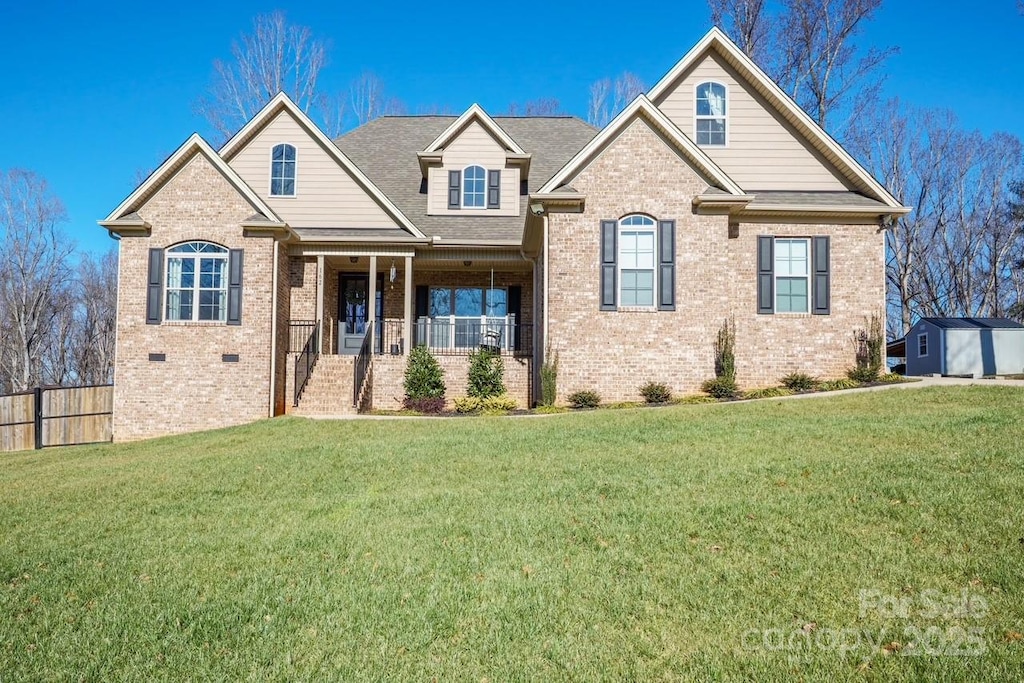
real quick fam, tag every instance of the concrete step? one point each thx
(329, 390)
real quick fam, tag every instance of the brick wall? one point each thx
(616, 352)
(193, 389)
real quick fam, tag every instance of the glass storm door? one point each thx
(353, 315)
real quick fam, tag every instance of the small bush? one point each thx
(769, 392)
(486, 374)
(501, 403)
(891, 378)
(870, 344)
(720, 387)
(424, 377)
(584, 399)
(430, 405)
(549, 380)
(725, 356)
(800, 381)
(863, 374)
(549, 410)
(694, 399)
(621, 405)
(467, 404)
(656, 392)
(838, 384)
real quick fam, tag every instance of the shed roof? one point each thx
(973, 323)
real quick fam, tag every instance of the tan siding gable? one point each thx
(473, 146)
(325, 194)
(763, 151)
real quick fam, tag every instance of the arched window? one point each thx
(197, 282)
(636, 261)
(474, 187)
(711, 114)
(282, 171)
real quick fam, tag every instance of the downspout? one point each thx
(273, 332)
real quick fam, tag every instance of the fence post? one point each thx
(38, 400)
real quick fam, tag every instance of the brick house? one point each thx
(287, 272)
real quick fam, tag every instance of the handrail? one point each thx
(362, 365)
(305, 362)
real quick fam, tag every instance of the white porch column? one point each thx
(320, 303)
(407, 326)
(371, 297)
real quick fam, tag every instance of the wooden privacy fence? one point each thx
(56, 416)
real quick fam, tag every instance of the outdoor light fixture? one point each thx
(537, 209)
(394, 271)
(353, 259)
(467, 263)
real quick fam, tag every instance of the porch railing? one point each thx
(298, 334)
(362, 366)
(458, 336)
(306, 360)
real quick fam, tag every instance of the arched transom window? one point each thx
(474, 187)
(711, 114)
(197, 282)
(282, 171)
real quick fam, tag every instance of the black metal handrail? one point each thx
(458, 336)
(362, 365)
(298, 334)
(306, 361)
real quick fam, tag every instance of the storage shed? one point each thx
(972, 347)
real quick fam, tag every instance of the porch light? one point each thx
(467, 263)
(353, 259)
(394, 271)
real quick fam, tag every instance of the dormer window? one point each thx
(711, 114)
(282, 171)
(474, 192)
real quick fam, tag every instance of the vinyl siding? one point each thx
(763, 151)
(325, 194)
(473, 146)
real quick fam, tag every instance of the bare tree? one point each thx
(608, 97)
(34, 272)
(95, 318)
(746, 22)
(543, 106)
(275, 57)
(370, 100)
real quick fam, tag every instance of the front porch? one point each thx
(450, 303)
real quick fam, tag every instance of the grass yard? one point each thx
(876, 536)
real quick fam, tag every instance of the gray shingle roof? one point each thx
(385, 150)
(974, 323)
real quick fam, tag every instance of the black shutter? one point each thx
(454, 189)
(515, 308)
(422, 301)
(494, 189)
(235, 287)
(765, 274)
(609, 250)
(821, 283)
(154, 287)
(666, 265)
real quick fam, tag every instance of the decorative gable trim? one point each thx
(716, 40)
(643, 107)
(124, 220)
(281, 102)
(475, 112)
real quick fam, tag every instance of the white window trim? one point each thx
(196, 289)
(618, 261)
(924, 336)
(270, 173)
(776, 276)
(696, 117)
(462, 189)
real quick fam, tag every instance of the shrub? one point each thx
(725, 357)
(656, 392)
(870, 347)
(549, 410)
(549, 380)
(838, 384)
(695, 399)
(800, 381)
(621, 405)
(486, 374)
(769, 392)
(424, 377)
(720, 387)
(863, 374)
(428, 404)
(500, 403)
(584, 399)
(891, 378)
(467, 404)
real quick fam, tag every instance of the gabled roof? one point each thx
(974, 323)
(125, 216)
(475, 112)
(281, 102)
(385, 149)
(642, 106)
(716, 40)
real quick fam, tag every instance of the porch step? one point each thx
(329, 390)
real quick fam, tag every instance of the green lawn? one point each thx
(776, 540)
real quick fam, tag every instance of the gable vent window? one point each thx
(711, 114)
(282, 171)
(474, 187)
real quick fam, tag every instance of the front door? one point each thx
(352, 311)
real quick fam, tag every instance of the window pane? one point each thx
(440, 302)
(276, 186)
(277, 169)
(211, 305)
(791, 295)
(211, 273)
(278, 153)
(288, 187)
(469, 301)
(289, 153)
(179, 305)
(497, 302)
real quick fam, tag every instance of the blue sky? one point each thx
(97, 92)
